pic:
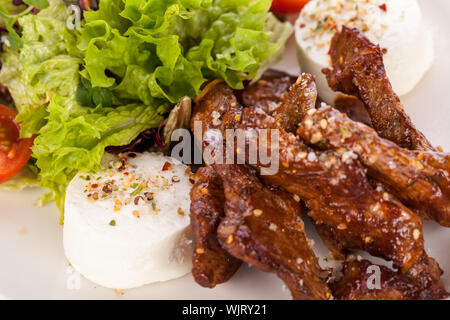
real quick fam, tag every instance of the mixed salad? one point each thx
(86, 77)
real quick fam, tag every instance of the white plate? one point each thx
(33, 266)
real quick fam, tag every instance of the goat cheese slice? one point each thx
(396, 25)
(128, 225)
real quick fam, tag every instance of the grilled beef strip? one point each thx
(337, 193)
(268, 92)
(420, 179)
(359, 282)
(263, 227)
(211, 265)
(358, 69)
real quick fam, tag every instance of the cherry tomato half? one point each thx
(14, 152)
(288, 6)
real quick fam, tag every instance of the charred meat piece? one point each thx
(211, 109)
(211, 265)
(358, 69)
(268, 92)
(353, 215)
(423, 276)
(354, 108)
(363, 280)
(294, 97)
(339, 194)
(426, 273)
(216, 111)
(301, 97)
(421, 179)
(263, 227)
(328, 236)
(298, 96)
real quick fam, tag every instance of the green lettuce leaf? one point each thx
(69, 144)
(119, 74)
(9, 13)
(40, 4)
(281, 32)
(43, 78)
(175, 45)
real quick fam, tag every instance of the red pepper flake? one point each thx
(383, 7)
(94, 186)
(191, 180)
(126, 173)
(302, 25)
(167, 166)
(136, 200)
(107, 188)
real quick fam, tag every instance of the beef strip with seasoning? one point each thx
(263, 227)
(421, 179)
(338, 193)
(268, 92)
(354, 108)
(211, 265)
(362, 280)
(358, 69)
(302, 96)
(393, 220)
(292, 98)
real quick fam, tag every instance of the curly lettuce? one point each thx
(166, 49)
(80, 91)
(43, 78)
(9, 13)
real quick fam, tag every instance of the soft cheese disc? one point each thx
(129, 225)
(396, 25)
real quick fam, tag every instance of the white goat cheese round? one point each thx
(129, 225)
(396, 25)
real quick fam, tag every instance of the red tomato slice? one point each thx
(14, 152)
(288, 6)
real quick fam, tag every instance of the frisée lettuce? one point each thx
(80, 91)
